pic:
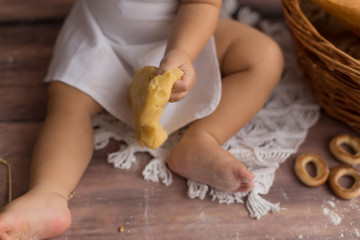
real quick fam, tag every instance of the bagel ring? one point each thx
(345, 193)
(322, 170)
(341, 154)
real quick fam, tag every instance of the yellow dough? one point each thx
(345, 11)
(148, 98)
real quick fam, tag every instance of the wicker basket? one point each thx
(329, 56)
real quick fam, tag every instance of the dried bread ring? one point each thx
(341, 154)
(345, 193)
(322, 170)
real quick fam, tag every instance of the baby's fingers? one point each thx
(174, 97)
(180, 89)
(180, 86)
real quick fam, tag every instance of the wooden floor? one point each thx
(107, 198)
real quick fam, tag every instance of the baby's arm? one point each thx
(194, 25)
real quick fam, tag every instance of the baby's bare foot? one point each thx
(36, 215)
(200, 158)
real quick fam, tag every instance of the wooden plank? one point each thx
(25, 53)
(152, 210)
(17, 141)
(25, 103)
(22, 10)
(107, 198)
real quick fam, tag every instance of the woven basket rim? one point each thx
(351, 69)
(355, 63)
(332, 75)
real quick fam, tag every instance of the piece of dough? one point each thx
(345, 11)
(148, 98)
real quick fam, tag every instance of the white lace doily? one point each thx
(262, 145)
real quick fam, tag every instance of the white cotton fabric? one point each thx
(103, 43)
(262, 145)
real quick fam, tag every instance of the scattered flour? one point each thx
(331, 203)
(354, 205)
(332, 216)
(357, 233)
(284, 194)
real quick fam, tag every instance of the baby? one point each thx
(101, 45)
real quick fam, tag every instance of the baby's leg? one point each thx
(62, 153)
(251, 66)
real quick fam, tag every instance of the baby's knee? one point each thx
(273, 55)
(65, 98)
(271, 62)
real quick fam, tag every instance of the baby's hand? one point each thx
(177, 59)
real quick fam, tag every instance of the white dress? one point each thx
(103, 43)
